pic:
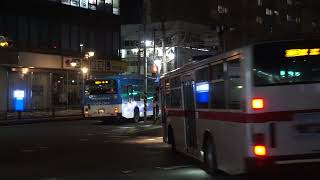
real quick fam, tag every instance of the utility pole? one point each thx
(145, 58)
(164, 57)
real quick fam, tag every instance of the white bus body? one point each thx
(284, 130)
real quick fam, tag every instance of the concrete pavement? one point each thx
(92, 150)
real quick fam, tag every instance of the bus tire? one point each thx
(171, 139)
(210, 160)
(136, 115)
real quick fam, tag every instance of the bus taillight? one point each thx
(260, 151)
(257, 103)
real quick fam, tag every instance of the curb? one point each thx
(34, 121)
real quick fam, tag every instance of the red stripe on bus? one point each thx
(243, 117)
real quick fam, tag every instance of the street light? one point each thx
(91, 53)
(73, 63)
(84, 70)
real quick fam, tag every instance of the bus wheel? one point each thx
(136, 115)
(210, 160)
(171, 139)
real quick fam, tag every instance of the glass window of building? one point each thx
(116, 7)
(100, 4)
(84, 4)
(108, 6)
(75, 3)
(65, 2)
(93, 4)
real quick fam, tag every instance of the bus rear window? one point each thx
(101, 87)
(286, 63)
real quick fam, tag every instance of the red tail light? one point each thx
(257, 103)
(260, 150)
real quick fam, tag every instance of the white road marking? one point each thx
(127, 171)
(173, 167)
(28, 150)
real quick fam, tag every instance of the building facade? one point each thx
(49, 41)
(182, 41)
(243, 22)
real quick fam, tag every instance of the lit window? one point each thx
(75, 3)
(259, 2)
(269, 12)
(259, 19)
(276, 12)
(116, 7)
(108, 1)
(65, 2)
(298, 19)
(222, 9)
(84, 4)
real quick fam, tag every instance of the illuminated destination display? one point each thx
(302, 52)
(101, 82)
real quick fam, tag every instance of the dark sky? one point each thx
(131, 11)
(192, 11)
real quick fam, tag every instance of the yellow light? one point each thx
(260, 150)
(4, 44)
(116, 110)
(314, 52)
(25, 70)
(297, 52)
(257, 103)
(98, 82)
(84, 70)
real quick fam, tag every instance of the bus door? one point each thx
(190, 116)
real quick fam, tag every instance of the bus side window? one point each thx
(234, 84)
(217, 87)
(167, 93)
(175, 92)
(130, 92)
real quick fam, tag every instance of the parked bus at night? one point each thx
(118, 97)
(246, 109)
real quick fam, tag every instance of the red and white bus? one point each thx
(247, 108)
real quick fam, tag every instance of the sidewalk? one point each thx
(38, 120)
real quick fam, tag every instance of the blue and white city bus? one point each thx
(119, 96)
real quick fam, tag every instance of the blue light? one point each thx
(19, 97)
(202, 93)
(202, 97)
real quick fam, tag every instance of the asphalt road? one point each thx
(91, 150)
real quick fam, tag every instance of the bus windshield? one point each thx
(287, 63)
(100, 87)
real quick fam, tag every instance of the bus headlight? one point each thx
(101, 111)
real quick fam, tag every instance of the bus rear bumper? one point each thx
(268, 163)
(117, 116)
